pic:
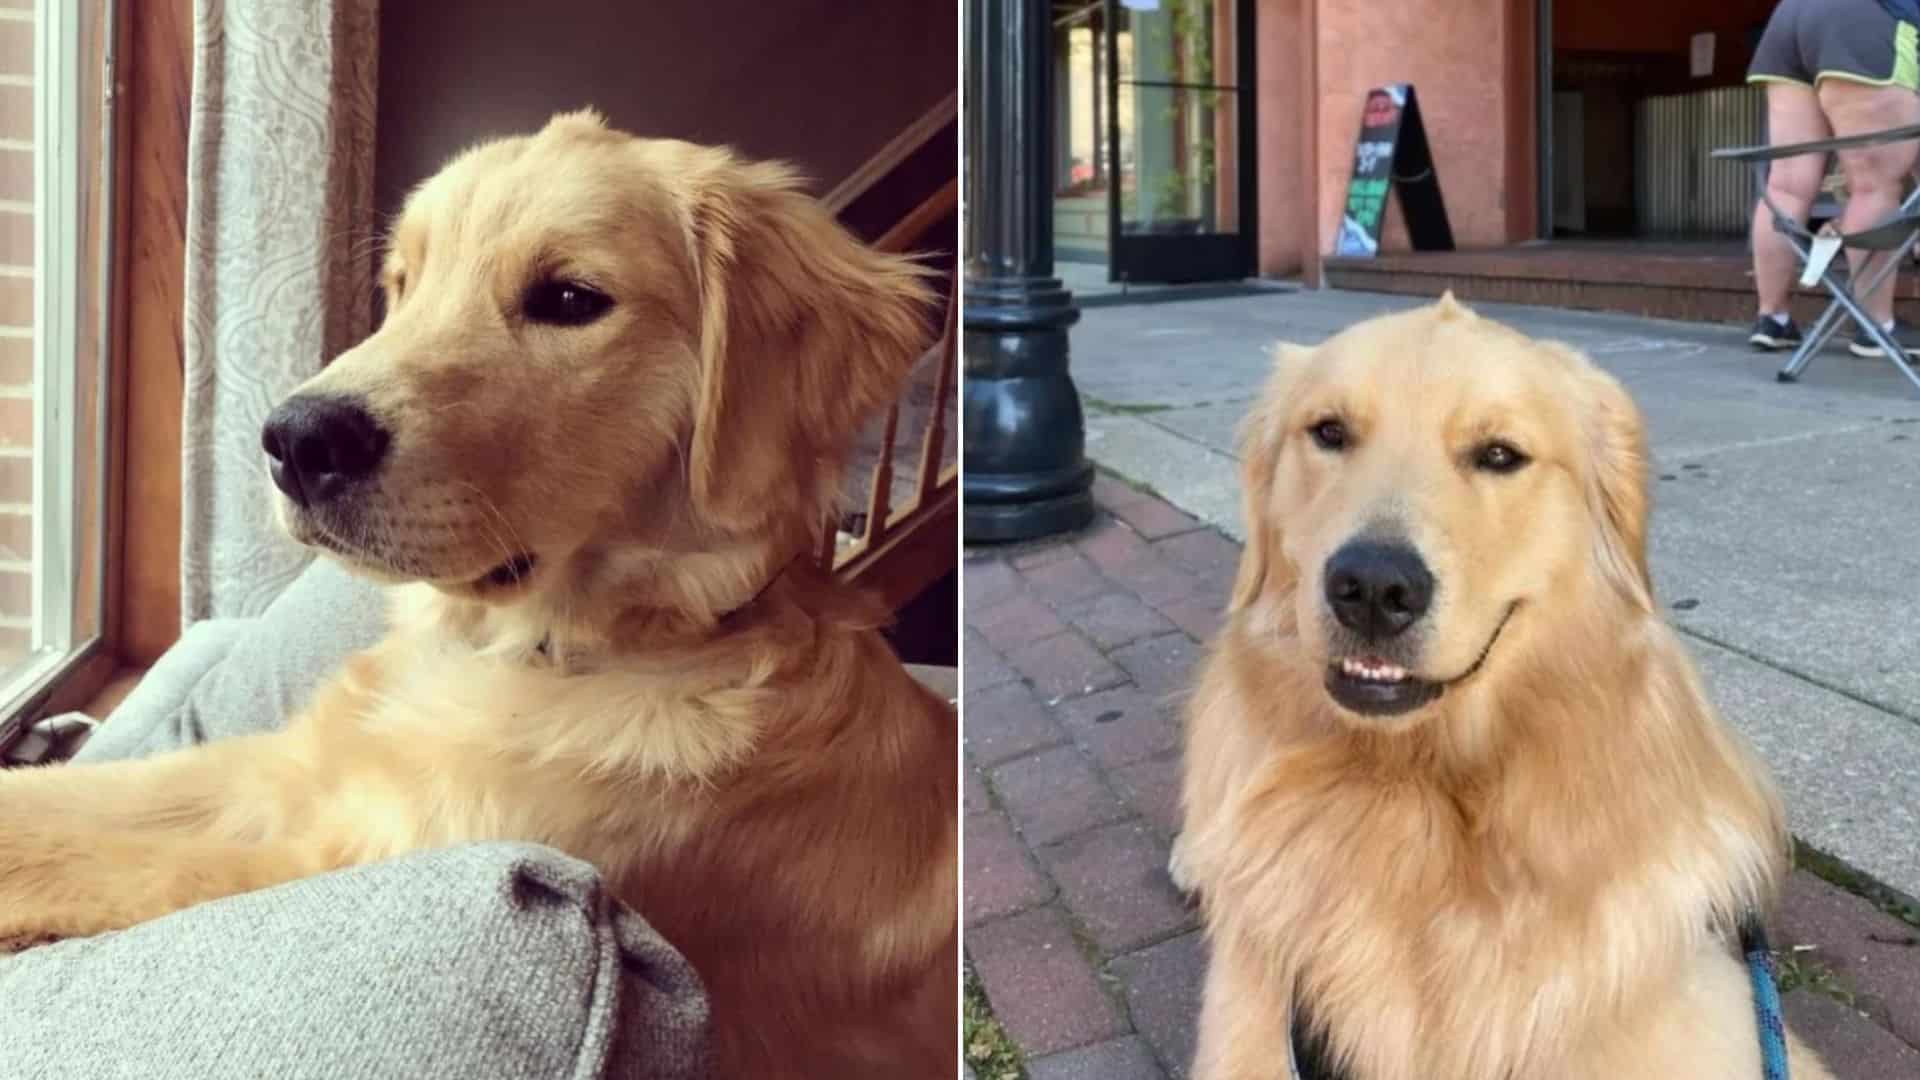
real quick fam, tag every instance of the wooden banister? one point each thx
(881, 492)
(935, 441)
(888, 157)
(899, 550)
(908, 231)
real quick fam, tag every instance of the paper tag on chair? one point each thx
(1819, 256)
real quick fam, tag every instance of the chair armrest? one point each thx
(1752, 154)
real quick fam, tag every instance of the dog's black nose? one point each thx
(1376, 589)
(318, 446)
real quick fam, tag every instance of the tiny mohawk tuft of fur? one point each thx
(1450, 308)
(586, 116)
(1283, 353)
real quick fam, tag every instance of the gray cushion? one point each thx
(489, 960)
(944, 681)
(235, 676)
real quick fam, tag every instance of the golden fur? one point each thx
(667, 693)
(1536, 874)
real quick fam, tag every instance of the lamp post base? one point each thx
(1023, 510)
(1026, 474)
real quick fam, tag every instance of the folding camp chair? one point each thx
(1894, 236)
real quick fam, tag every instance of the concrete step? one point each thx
(1710, 285)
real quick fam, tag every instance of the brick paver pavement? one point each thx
(1078, 652)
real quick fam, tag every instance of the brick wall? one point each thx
(16, 327)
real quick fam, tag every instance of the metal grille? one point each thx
(1680, 192)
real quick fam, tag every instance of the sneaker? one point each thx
(1903, 332)
(1774, 332)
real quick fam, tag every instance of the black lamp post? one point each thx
(1026, 473)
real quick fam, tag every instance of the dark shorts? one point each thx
(1856, 40)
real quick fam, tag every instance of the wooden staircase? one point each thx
(902, 538)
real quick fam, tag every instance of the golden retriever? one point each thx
(1454, 798)
(592, 445)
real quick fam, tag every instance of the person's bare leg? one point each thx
(1793, 116)
(1874, 173)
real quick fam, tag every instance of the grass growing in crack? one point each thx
(1798, 969)
(1123, 409)
(1837, 873)
(989, 1049)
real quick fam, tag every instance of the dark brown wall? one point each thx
(1663, 26)
(821, 83)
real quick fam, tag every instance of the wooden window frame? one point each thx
(144, 202)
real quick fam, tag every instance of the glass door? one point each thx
(1180, 132)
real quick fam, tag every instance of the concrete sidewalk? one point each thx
(1786, 540)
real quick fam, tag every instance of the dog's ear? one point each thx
(1617, 490)
(804, 334)
(1262, 434)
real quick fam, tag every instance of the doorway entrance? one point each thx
(1153, 137)
(1633, 96)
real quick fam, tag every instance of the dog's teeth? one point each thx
(1374, 672)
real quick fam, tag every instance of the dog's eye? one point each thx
(564, 303)
(1329, 435)
(1498, 457)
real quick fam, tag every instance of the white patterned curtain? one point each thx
(279, 214)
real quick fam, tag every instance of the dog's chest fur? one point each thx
(1436, 934)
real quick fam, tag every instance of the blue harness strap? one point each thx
(1904, 10)
(1766, 999)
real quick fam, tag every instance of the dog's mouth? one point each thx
(314, 531)
(355, 547)
(1371, 685)
(513, 572)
